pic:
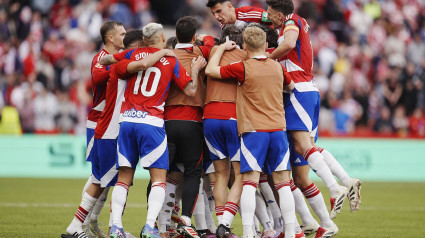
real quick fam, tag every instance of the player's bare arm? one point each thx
(289, 42)
(213, 69)
(197, 64)
(148, 61)
(107, 60)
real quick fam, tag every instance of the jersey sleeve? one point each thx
(233, 71)
(287, 79)
(180, 77)
(253, 14)
(121, 68)
(206, 48)
(126, 54)
(100, 73)
(290, 25)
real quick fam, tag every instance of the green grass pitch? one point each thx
(44, 208)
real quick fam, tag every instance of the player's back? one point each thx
(147, 90)
(299, 61)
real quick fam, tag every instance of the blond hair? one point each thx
(254, 37)
(151, 32)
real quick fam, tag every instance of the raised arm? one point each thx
(289, 42)
(148, 61)
(197, 65)
(213, 68)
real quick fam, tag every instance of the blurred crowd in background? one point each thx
(369, 59)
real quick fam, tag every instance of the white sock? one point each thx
(110, 214)
(230, 210)
(86, 205)
(199, 210)
(248, 206)
(208, 215)
(269, 213)
(336, 167)
(86, 186)
(164, 217)
(256, 228)
(267, 191)
(315, 199)
(219, 211)
(317, 163)
(119, 198)
(287, 207)
(155, 202)
(99, 205)
(186, 220)
(261, 211)
(301, 206)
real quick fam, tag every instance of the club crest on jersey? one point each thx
(134, 113)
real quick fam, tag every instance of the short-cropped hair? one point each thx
(212, 3)
(254, 37)
(151, 29)
(233, 33)
(132, 37)
(106, 27)
(186, 28)
(284, 6)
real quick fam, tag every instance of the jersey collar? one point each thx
(183, 46)
(262, 57)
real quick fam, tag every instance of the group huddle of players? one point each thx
(226, 135)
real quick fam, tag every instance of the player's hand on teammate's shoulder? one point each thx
(199, 62)
(228, 45)
(168, 52)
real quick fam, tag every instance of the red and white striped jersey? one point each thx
(108, 125)
(249, 14)
(146, 91)
(99, 79)
(299, 61)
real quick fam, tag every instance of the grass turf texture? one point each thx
(44, 208)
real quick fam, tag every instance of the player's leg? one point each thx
(314, 198)
(278, 164)
(153, 139)
(254, 146)
(128, 157)
(263, 216)
(267, 192)
(353, 184)
(89, 198)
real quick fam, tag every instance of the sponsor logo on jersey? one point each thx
(298, 160)
(264, 17)
(135, 113)
(99, 66)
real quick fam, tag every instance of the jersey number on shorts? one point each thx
(143, 88)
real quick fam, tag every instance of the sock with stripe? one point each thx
(98, 206)
(199, 210)
(301, 206)
(335, 167)
(317, 203)
(230, 210)
(248, 206)
(267, 192)
(118, 200)
(261, 211)
(317, 163)
(155, 202)
(208, 189)
(287, 207)
(86, 186)
(164, 216)
(86, 205)
(219, 210)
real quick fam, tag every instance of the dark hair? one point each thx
(171, 43)
(212, 3)
(186, 28)
(234, 33)
(107, 27)
(284, 6)
(132, 37)
(271, 35)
